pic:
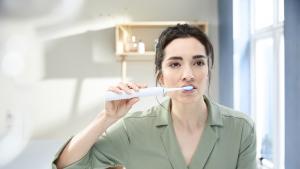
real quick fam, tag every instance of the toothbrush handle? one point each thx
(151, 91)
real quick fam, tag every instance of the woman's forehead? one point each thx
(184, 47)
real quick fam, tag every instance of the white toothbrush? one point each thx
(150, 91)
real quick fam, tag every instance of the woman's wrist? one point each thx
(104, 119)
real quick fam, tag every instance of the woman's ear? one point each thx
(161, 80)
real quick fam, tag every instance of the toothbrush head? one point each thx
(188, 88)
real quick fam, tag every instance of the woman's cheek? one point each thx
(170, 79)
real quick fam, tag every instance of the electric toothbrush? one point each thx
(150, 91)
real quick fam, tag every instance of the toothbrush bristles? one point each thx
(188, 88)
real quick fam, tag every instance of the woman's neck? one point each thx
(189, 116)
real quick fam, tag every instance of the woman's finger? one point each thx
(133, 86)
(136, 86)
(115, 89)
(141, 85)
(125, 88)
(132, 101)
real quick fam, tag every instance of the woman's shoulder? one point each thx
(134, 121)
(137, 120)
(148, 116)
(150, 113)
(229, 114)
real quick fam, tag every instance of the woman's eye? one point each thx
(200, 63)
(174, 65)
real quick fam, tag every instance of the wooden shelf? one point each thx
(201, 25)
(147, 53)
(148, 33)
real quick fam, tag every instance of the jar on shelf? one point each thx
(131, 45)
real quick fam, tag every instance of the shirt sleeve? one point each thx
(247, 153)
(110, 150)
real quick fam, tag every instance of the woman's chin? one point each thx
(187, 99)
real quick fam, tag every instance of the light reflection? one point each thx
(20, 50)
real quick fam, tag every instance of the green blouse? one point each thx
(146, 140)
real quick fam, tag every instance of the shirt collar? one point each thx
(163, 111)
(213, 119)
(214, 114)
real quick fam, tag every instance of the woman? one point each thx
(188, 130)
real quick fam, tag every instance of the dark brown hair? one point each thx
(181, 31)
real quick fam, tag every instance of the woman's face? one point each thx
(185, 64)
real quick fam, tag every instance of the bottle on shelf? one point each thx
(131, 45)
(141, 47)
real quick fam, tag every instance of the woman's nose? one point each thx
(187, 74)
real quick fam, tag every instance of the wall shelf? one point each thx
(129, 34)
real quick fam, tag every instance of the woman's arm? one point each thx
(80, 144)
(83, 141)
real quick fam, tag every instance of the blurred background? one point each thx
(58, 57)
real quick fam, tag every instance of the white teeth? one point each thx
(190, 85)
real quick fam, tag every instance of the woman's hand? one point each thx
(83, 141)
(116, 109)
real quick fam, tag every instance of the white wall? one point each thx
(75, 78)
(69, 94)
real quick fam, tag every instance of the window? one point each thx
(267, 77)
(263, 13)
(259, 73)
(264, 76)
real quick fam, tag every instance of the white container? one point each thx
(141, 47)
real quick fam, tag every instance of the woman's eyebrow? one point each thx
(199, 56)
(175, 58)
(180, 58)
